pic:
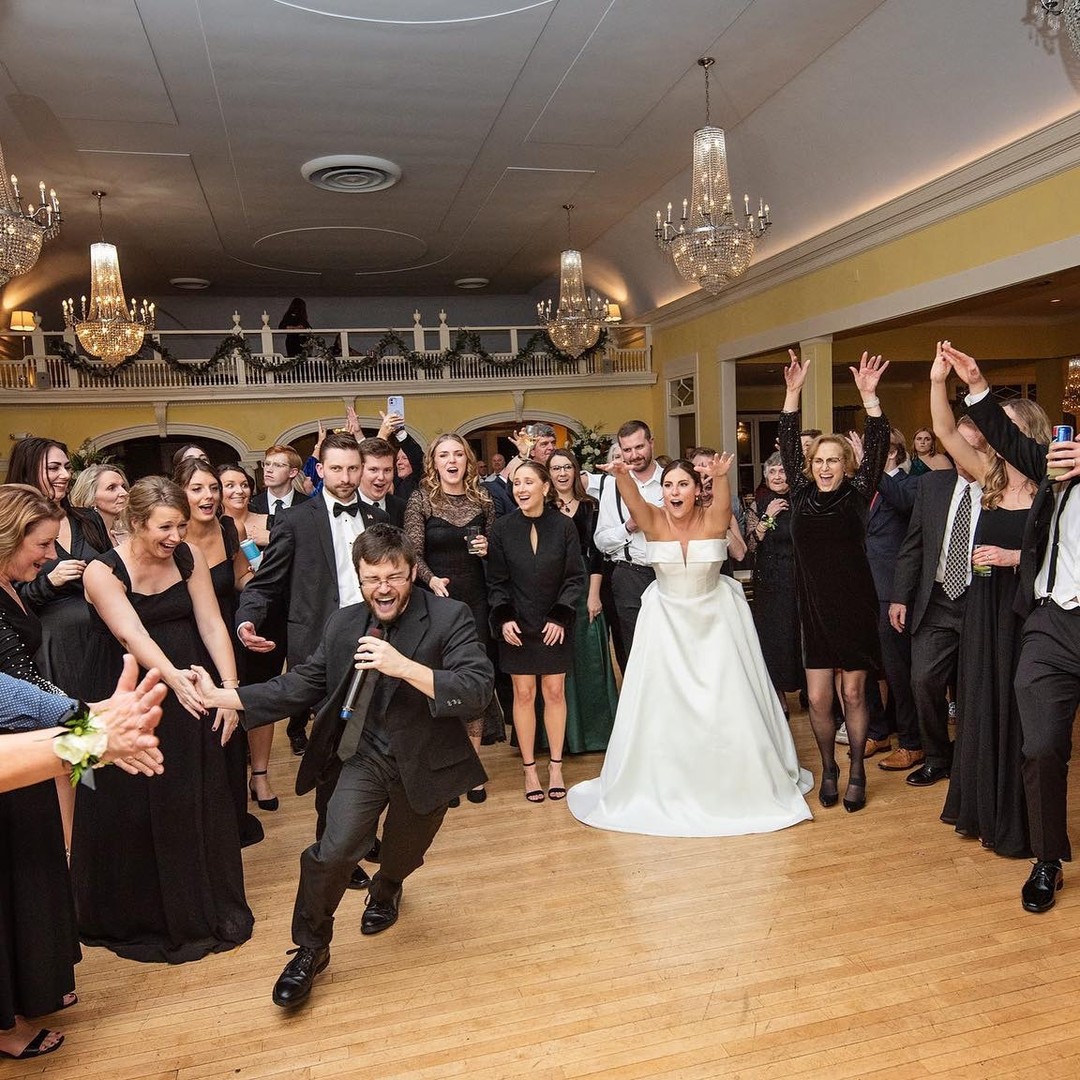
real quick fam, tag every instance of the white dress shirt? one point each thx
(1067, 574)
(611, 536)
(344, 528)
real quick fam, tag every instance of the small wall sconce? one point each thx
(22, 320)
(614, 314)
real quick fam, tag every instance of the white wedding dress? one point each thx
(700, 745)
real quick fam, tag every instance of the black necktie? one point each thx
(341, 508)
(1051, 571)
(279, 505)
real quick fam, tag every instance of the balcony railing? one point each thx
(458, 359)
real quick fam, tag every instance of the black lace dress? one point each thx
(156, 860)
(986, 790)
(39, 945)
(838, 604)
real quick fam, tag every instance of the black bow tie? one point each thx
(341, 508)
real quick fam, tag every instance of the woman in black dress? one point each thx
(216, 538)
(39, 945)
(986, 793)
(103, 489)
(156, 863)
(535, 579)
(448, 519)
(591, 697)
(775, 608)
(838, 607)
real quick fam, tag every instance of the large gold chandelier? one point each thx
(109, 328)
(708, 245)
(580, 316)
(22, 232)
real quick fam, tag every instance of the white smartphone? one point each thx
(395, 403)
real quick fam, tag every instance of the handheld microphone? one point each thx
(349, 704)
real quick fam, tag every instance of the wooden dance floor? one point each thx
(876, 944)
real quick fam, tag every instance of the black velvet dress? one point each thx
(775, 607)
(838, 605)
(39, 945)
(986, 790)
(236, 749)
(534, 587)
(156, 860)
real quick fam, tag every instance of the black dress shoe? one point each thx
(294, 983)
(1038, 892)
(298, 743)
(476, 795)
(925, 775)
(375, 854)
(359, 879)
(380, 915)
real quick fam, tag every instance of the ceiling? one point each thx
(197, 115)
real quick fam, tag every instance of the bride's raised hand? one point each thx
(868, 374)
(717, 467)
(795, 372)
(616, 468)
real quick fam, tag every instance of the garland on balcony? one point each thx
(94, 369)
(189, 367)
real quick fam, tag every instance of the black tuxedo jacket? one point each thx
(298, 576)
(427, 736)
(1029, 457)
(395, 510)
(916, 563)
(500, 496)
(886, 526)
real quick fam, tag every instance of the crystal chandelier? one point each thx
(580, 317)
(709, 246)
(22, 232)
(1045, 17)
(109, 329)
(1071, 401)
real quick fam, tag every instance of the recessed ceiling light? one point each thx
(192, 284)
(1056, 300)
(472, 282)
(351, 173)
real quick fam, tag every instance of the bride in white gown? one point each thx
(700, 745)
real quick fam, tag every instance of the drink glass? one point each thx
(472, 535)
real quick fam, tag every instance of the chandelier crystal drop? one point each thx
(110, 328)
(1047, 18)
(22, 232)
(580, 316)
(709, 245)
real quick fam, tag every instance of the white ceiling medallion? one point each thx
(191, 284)
(354, 173)
(471, 282)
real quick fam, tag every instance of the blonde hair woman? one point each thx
(104, 489)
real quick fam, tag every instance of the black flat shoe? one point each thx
(263, 804)
(294, 983)
(455, 801)
(380, 915)
(829, 798)
(1040, 889)
(476, 795)
(33, 1048)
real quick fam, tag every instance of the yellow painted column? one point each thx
(817, 395)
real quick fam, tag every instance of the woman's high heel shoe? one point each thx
(829, 798)
(263, 804)
(536, 794)
(558, 792)
(851, 805)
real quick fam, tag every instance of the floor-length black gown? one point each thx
(986, 790)
(39, 945)
(156, 860)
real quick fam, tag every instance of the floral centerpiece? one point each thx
(590, 447)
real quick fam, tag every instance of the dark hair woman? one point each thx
(535, 579)
(775, 608)
(448, 519)
(591, 697)
(295, 318)
(838, 606)
(169, 885)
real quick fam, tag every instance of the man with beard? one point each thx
(401, 747)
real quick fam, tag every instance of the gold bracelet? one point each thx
(230, 684)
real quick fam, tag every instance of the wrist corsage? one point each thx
(769, 521)
(83, 743)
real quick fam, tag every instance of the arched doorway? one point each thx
(140, 453)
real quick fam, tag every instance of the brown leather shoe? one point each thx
(901, 759)
(876, 746)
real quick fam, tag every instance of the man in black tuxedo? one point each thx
(933, 571)
(403, 746)
(306, 570)
(281, 466)
(1048, 673)
(377, 479)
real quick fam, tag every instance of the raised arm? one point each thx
(876, 440)
(648, 518)
(718, 516)
(962, 452)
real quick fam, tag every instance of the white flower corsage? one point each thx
(83, 744)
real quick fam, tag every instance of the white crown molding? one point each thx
(1035, 157)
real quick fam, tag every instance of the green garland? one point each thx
(95, 369)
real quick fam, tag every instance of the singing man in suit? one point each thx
(307, 569)
(1048, 674)
(403, 747)
(933, 571)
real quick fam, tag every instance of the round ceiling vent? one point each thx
(471, 282)
(192, 284)
(351, 173)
